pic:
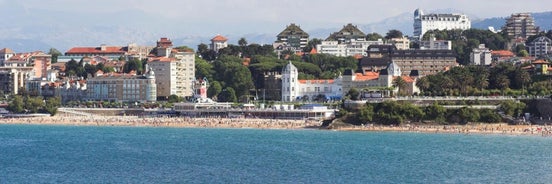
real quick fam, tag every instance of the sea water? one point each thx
(78, 154)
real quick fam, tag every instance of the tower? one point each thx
(289, 83)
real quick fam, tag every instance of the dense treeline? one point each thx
(29, 104)
(396, 113)
(504, 79)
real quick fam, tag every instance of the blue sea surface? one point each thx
(78, 154)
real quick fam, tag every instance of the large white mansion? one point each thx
(424, 23)
(294, 89)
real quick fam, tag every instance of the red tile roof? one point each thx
(502, 53)
(219, 38)
(7, 51)
(540, 61)
(407, 79)
(367, 76)
(96, 50)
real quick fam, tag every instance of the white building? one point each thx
(165, 75)
(541, 46)
(174, 75)
(401, 43)
(294, 89)
(218, 42)
(424, 23)
(174, 70)
(351, 48)
(481, 56)
(434, 44)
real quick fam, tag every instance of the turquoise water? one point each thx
(65, 154)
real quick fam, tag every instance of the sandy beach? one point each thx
(539, 130)
(165, 122)
(478, 128)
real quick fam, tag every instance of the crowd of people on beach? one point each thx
(214, 122)
(500, 128)
(220, 122)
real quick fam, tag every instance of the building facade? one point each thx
(351, 48)
(401, 43)
(174, 71)
(481, 56)
(378, 84)
(165, 75)
(12, 79)
(424, 23)
(426, 62)
(122, 88)
(434, 44)
(542, 46)
(520, 25)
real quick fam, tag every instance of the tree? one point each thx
(227, 95)
(400, 83)
(312, 44)
(214, 89)
(435, 112)
(184, 48)
(353, 94)
(393, 33)
(90, 69)
(423, 83)
(521, 51)
(522, 78)
(242, 42)
(366, 114)
(16, 104)
(174, 99)
(33, 104)
(133, 65)
(55, 53)
(203, 69)
(373, 37)
(52, 104)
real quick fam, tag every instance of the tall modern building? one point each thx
(174, 70)
(349, 41)
(424, 23)
(520, 25)
(293, 37)
(346, 34)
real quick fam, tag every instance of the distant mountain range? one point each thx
(29, 30)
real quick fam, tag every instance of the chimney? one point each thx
(103, 47)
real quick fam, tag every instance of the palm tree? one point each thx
(502, 82)
(522, 78)
(423, 84)
(400, 83)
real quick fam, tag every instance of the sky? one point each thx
(67, 23)
(308, 13)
